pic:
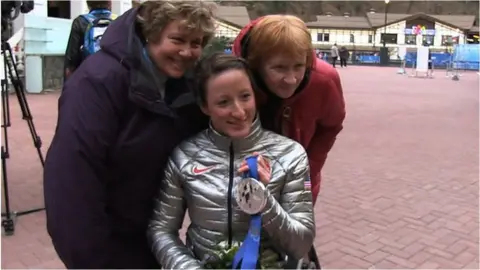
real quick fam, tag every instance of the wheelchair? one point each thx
(313, 262)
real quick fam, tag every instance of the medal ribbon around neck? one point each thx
(248, 252)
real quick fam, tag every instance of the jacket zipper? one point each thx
(285, 115)
(229, 198)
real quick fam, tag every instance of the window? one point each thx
(370, 38)
(469, 39)
(58, 9)
(352, 38)
(411, 39)
(427, 40)
(448, 40)
(225, 31)
(389, 38)
(325, 37)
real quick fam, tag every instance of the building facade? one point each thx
(225, 29)
(45, 35)
(230, 20)
(46, 30)
(369, 32)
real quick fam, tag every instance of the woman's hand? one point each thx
(264, 169)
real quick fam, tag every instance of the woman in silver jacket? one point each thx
(204, 170)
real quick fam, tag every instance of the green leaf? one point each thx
(217, 44)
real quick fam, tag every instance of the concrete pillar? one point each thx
(40, 8)
(34, 74)
(33, 63)
(78, 7)
(121, 6)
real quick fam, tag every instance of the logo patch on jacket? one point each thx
(308, 183)
(200, 169)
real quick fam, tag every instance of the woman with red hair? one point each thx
(300, 96)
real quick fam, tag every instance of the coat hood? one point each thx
(123, 40)
(240, 44)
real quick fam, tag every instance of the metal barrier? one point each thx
(431, 69)
(402, 70)
(448, 68)
(413, 71)
(452, 71)
(428, 74)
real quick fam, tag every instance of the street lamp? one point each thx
(385, 23)
(384, 58)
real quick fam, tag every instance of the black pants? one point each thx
(343, 62)
(334, 60)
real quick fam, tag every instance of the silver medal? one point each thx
(250, 196)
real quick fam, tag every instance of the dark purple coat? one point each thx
(113, 137)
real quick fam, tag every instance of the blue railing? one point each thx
(465, 56)
(368, 59)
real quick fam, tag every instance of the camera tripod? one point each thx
(11, 71)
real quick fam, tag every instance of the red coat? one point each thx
(313, 116)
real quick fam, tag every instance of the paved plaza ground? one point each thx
(400, 188)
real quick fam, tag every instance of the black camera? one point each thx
(10, 11)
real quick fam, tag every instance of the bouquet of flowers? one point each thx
(223, 258)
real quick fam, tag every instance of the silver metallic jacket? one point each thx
(200, 178)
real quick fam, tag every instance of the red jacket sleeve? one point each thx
(328, 127)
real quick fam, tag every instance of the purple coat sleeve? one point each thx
(75, 175)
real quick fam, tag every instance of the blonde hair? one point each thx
(279, 34)
(195, 16)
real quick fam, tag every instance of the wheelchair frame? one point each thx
(298, 264)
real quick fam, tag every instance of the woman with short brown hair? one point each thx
(121, 114)
(300, 96)
(287, 35)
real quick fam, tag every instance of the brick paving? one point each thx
(400, 188)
